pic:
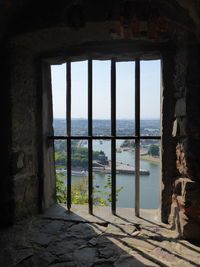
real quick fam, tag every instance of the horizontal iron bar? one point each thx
(103, 137)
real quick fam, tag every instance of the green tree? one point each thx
(61, 191)
(108, 185)
(79, 192)
(79, 157)
(153, 150)
(128, 143)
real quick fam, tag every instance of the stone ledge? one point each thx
(51, 242)
(102, 215)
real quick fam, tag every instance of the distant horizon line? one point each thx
(107, 119)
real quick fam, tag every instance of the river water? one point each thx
(149, 184)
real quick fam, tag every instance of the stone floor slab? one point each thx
(61, 239)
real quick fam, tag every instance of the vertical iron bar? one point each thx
(113, 133)
(68, 111)
(90, 180)
(137, 141)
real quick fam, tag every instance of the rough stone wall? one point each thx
(61, 30)
(168, 156)
(24, 166)
(6, 182)
(27, 49)
(186, 131)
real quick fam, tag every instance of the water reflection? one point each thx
(150, 184)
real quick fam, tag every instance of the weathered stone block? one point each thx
(188, 161)
(26, 196)
(183, 123)
(17, 161)
(175, 128)
(180, 128)
(178, 184)
(180, 108)
(187, 188)
(181, 160)
(189, 227)
(185, 208)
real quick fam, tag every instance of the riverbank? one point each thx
(143, 155)
(121, 168)
(155, 160)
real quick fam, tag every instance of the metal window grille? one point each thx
(113, 137)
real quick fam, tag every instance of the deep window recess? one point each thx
(113, 137)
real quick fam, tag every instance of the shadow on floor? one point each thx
(59, 238)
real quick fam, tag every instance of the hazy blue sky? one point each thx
(150, 90)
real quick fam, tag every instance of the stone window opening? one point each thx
(137, 137)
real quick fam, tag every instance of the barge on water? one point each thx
(120, 168)
(100, 168)
(73, 173)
